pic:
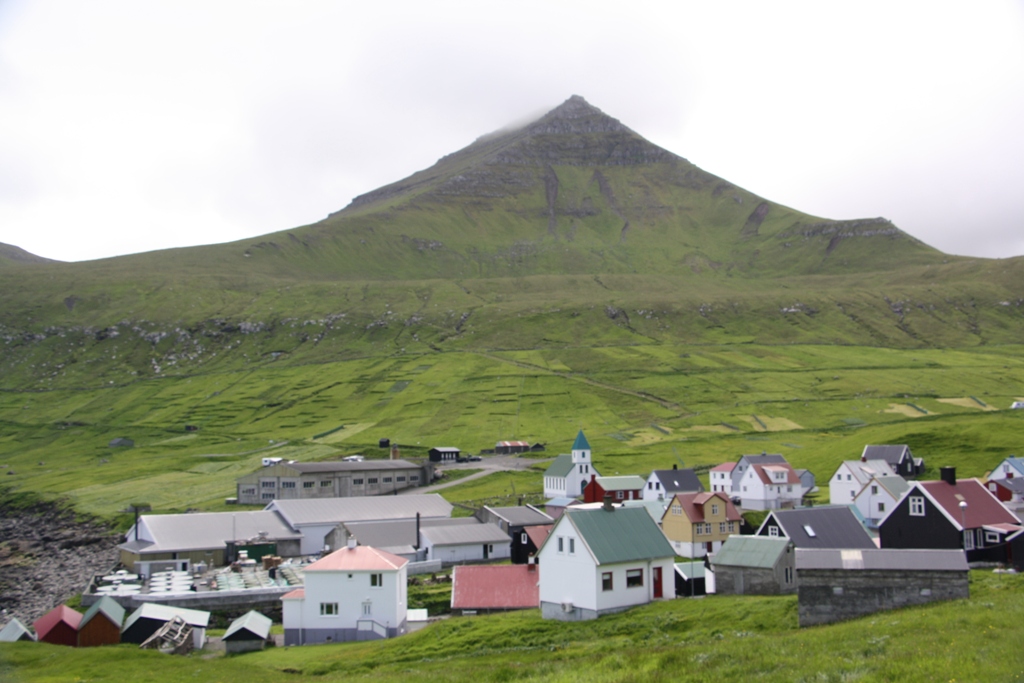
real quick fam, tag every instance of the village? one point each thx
(332, 553)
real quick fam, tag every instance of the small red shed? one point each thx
(59, 626)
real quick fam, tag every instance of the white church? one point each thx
(568, 474)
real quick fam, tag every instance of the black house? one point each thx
(828, 526)
(951, 514)
(444, 454)
(527, 541)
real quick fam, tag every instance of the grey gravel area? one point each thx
(47, 555)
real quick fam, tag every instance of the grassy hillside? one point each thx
(714, 638)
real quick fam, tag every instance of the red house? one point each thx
(59, 626)
(630, 487)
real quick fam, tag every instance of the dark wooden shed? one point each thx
(59, 626)
(101, 624)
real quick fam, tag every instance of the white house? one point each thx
(567, 475)
(878, 497)
(663, 484)
(1009, 468)
(721, 477)
(852, 475)
(465, 543)
(355, 593)
(603, 560)
(769, 487)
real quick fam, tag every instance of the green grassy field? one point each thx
(697, 405)
(732, 638)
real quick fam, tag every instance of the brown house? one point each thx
(698, 523)
(101, 624)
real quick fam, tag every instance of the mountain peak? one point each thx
(576, 115)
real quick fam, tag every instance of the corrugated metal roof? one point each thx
(251, 621)
(892, 454)
(513, 586)
(982, 507)
(399, 532)
(152, 610)
(821, 527)
(60, 613)
(465, 534)
(628, 482)
(693, 569)
(655, 508)
(759, 552)
(559, 467)
(106, 606)
(881, 559)
(360, 558)
(342, 466)
(362, 509)
(208, 530)
(581, 443)
(521, 515)
(693, 504)
(678, 481)
(620, 534)
(562, 501)
(15, 631)
(538, 534)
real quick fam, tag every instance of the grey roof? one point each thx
(106, 606)
(821, 527)
(896, 485)
(207, 530)
(889, 453)
(881, 559)
(398, 535)
(15, 631)
(678, 481)
(343, 466)
(462, 534)
(1016, 484)
(446, 449)
(521, 515)
(300, 512)
(759, 552)
(251, 621)
(562, 501)
(618, 535)
(693, 569)
(655, 508)
(152, 610)
(764, 459)
(559, 467)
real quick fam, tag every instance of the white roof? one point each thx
(361, 509)
(205, 530)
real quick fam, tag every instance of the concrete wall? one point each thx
(755, 581)
(828, 595)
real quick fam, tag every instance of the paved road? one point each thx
(489, 465)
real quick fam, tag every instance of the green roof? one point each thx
(559, 467)
(750, 551)
(251, 621)
(581, 443)
(106, 606)
(619, 535)
(625, 482)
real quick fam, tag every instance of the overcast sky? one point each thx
(129, 126)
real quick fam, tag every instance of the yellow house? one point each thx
(698, 523)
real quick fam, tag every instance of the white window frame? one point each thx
(968, 539)
(328, 609)
(376, 580)
(916, 506)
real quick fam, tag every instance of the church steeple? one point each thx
(581, 449)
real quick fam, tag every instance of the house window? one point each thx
(325, 483)
(849, 477)
(852, 494)
(561, 544)
(881, 507)
(789, 574)
(968, 539)
(572, 546)
(371, 480)
(367, 608)
(634, 578)
(287, 484)
(524, 539)
(773, 531)
(387, 480)
(249, 490)
(269, 484)
(399, 479)
(991, 538)
(676, 510)
(618, 494)
(650, 486)
(357, 482)
(723, 527)
(267, 496)
(917, 506)
(414, 477)
(874, 490)
(328, 609)
(308, 484)
(376, 580)
(606, 581)
(714, 509)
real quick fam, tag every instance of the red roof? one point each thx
(60, 613)
(539, 533)
(724, 467)
(362, 557)
(764, 470)
(509, 586)
(297, 594)
(513, 443)
(982, 507)
(693, 505)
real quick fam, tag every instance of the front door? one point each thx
(656, 577)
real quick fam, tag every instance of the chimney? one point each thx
(863, 457)
(608, 503)
(352, 542)
(593, 478)
(531, 567)
(394, 451)
(675, 466)
(948, 475)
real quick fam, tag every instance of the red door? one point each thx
(657, 581)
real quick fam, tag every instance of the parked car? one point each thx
(474, 458)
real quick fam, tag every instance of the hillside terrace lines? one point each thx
(668, 405)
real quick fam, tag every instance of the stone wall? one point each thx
(827, 595)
